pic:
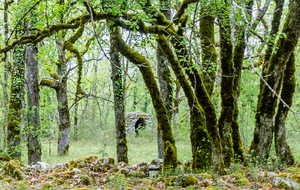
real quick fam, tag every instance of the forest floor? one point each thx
(91, 172)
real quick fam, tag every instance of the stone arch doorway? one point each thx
(137, 120)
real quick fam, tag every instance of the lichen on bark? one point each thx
(283, 150)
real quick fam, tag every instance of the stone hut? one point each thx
(133, 117)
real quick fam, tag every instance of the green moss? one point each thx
(17, 174)
(5, 158)
(188, 180)
(81, 162)
(47, 186)
(284, 174)
(242, 182)
(9, 180)
(23, 185)
(209, 54)
(86, 180)
(10, 167)
(236, 175)
(205, 175)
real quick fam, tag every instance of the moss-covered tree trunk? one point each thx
(267, 103)
(238, 57)
(200, 140)
(176, 107)
(63, 108)
(170, 150)
(283, 150)
(209, 53)
(33, 139)
(119, 107)
(227, 93)
(164, 78)
(16, 99)
(6, 71)
(204, 99)
(275, 28)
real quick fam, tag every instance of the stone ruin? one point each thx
(133, 117)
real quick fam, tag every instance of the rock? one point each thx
(153, 173)
(82, 162)
(43, 166)
(154, 167)
(285, 183)
(242, 181)
(18, 174)
(188, 180)
(157, 161)
(124, 171)
(58, 166)
(107, 161)
(142, 164)
(76, 170)
(122, 164)
(270, 174)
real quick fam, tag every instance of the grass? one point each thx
(142, 148)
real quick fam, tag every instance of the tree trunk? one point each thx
(209, 53)
(119, 107)
(201, 149)
(76, 121)
(170, 150)
(227, 93)
(176, 107)
(267, 103)
(33, 138)
(238, 57)
(204, 100)
(6, 71)
(16, 100)
(275, 28)
(63, 108)
(283, 150)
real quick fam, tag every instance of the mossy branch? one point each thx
(184, 5)
(68, 45)
(49, 83)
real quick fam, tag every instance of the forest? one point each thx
(149, 94)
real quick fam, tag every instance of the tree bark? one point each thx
(209, 53)
(16, 100)
(283, 150)
(63, 108)
(275, 28)
(200, 140)
(119, 107)
(176, 107)
(170, 150)
(204, 100)
(238, 58)
(164, 78)
(227, 93)
(33, 138)
(267, 103)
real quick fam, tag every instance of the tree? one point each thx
(119, 107)
(16, 98)
(267, 104)
(34, 129)
(164, 78)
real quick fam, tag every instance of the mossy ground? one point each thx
(237, 177)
